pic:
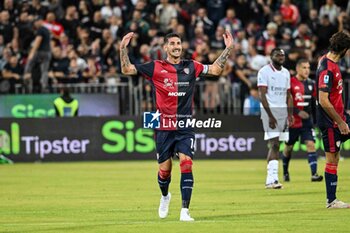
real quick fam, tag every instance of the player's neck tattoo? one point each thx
(221, 61)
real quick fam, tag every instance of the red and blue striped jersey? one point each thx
(329, 79)
(173, 88)
(304, 94)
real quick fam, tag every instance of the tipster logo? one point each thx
(151, 120)
(10, 142)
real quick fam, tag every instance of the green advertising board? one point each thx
(41, 106)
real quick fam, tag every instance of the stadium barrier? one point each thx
(123, 138)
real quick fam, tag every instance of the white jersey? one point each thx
(277, 83)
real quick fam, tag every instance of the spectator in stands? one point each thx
(37, 9)
(324, 31)
(285, 42)
(164, 12)
(109, 10)
(70, 22)
(313, 21)
(85, 14)
(241, 76)
(231, 22)
(25, 31)
(331, 10)
(7, 28)
(251, 106)
(97, 26)
(256, 61)
(211, 91)
(217, 42)
(202, 20)
(92, 73)
(267, 40)
(290, 13)
(54, 27)
(66, 105)
(40, 53)
(12, 72)
(59, 67)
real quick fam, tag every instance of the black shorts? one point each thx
(305, 134)
(168, 143)
(332, 139)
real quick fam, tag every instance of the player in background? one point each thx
(173, 81)
(276, 110)
(331, 117)
(303, 91)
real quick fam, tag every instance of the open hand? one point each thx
(228, 39)
(126, 40)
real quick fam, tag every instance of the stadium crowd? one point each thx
(85, 37)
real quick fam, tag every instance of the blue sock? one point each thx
(331, 186)
(312, 158)
(164, 184)
(186, 186)
(285, 161)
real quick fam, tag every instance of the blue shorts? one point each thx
(305, 134)
(168, 143)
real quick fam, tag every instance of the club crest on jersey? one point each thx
(310, 87)
(187, 70)
(326, 79)
(168, 83)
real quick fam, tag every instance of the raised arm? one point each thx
(127, 67)
(217, 67)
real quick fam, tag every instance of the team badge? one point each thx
(338, 144)
(310, 87)
(187, 70)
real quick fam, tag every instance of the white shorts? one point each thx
(281, 131)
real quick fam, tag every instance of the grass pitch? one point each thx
(229, 196)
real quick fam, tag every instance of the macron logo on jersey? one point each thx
(151, 120)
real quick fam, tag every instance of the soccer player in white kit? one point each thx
(276, 110)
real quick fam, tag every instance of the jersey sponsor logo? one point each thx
(168, 83)
(326, 79)
(298, 96)
(297, 88)
(163, 71)
(177, 94)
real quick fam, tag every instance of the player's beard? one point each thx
(174, 54)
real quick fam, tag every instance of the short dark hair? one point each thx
(276, 50)
(171, 35)
(301, 61)
(339, 42)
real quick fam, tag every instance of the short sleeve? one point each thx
(199, 68)
(262, 79)
(288, 80)
(325, 81)
(146, 69)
